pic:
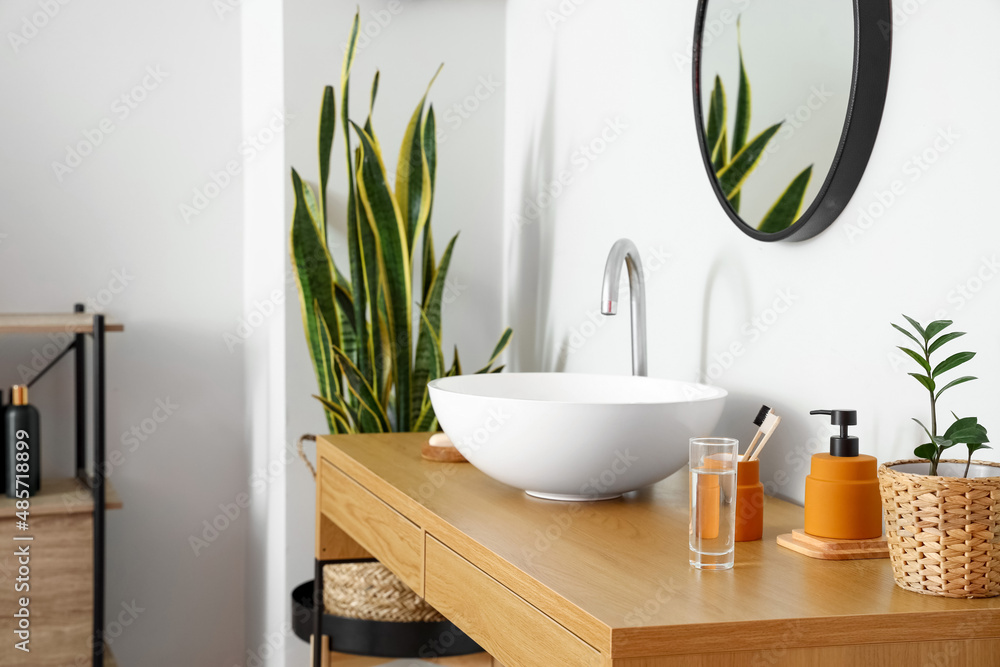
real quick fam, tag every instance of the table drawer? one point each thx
(512, 630)
(387, 535)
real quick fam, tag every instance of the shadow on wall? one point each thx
(531, 247)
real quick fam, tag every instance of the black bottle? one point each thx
(22, 440)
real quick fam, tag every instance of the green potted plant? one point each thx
(941, 514)
(373, 355)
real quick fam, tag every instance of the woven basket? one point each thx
(943, 532)
(369, 591)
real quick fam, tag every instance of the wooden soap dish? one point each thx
(439, 448)
(826, 549)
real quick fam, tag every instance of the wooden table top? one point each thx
(620, 567)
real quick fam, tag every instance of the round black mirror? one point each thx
(788, 97)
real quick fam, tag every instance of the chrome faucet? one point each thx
(625, 251)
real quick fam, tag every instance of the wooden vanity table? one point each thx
(540, 583)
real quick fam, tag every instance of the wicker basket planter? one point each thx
(943, 532)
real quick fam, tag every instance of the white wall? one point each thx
(580, 69)
(118, 211)
(407, 41)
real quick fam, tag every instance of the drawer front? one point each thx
(389, 536)
(510, 629)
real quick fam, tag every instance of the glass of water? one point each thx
(712, 527)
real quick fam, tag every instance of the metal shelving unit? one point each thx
(82, 325)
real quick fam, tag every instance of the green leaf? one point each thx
(338, 412)
(916, 326)
(498, 369)
(944, 339)
(926, 430)
(456, 366)
(951, 362)
(313, 270)
(498, 350)
(966, 431)
(742, 122)
(395, 268)
(785, 211)
(428, 268)
(943, 444)
(926, 451)
(327, 125)
(427, 341)
(362, 390)
(936, 327)
(961, 380)
(907, 334)
(413, 186)
(733, 175)
(976, 446)
(924, 380)
(715, 124)
(917, 358)
(719, 155)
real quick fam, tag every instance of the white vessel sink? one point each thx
(566, 436)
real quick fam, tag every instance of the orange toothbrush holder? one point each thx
(749, 502)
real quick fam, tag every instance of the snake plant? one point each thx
(373, 355)
(733, 164)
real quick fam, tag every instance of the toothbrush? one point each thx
(771, 425)
(767, 422)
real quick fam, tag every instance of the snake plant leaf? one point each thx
(422, 416)
(498, 350)
(957, 381)
(786, 210)
(916, 326)
(354, 249)
(917, 358)
(428, 268)
(947, 338)
(498, 369)
(338, 411)
(363, 391)
(325, 360)
(928, 383)
(907, 334)
(426, 419)
(395, 268)
(951, 362)
(733, 175)
(370, 272)
(413, 187)
(719, 156)
(716, 122)
(327, 125)
(428, 339)
(371, 110)
(741, 126)
(313, 270)
(456, 365)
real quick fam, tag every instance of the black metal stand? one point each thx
(95, 480)
(318, 611)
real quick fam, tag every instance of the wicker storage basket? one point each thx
(943, 532)
(369, 591)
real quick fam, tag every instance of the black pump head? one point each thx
(846, 444)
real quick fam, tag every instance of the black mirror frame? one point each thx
(869, 84)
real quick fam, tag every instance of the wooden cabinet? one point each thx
(541, 583)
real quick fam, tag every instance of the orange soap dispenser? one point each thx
(842, 497)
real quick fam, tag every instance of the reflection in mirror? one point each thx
(775, 86)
